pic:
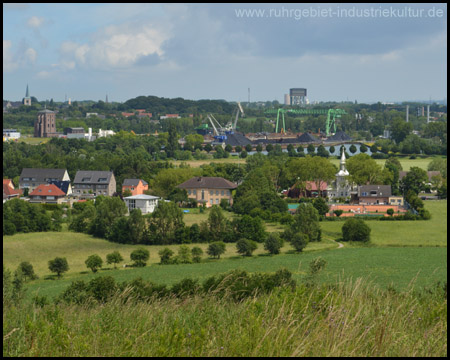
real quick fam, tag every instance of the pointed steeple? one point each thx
(342, 163)
(27, 94)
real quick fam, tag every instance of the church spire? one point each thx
(342, 163)
(27, 94)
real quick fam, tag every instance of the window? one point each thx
(364, 193)
(203, 194)
(223, 193)
(373, 192)
(86, 179)
(195, 192)
(211, 192)
(132, 204)
(217, 201)
(211, 201)
(228, 192)
(189, 192)
(102, 180)
(217, 192)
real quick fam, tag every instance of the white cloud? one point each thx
(8, 62)
(30, 55)
(119, 46)
(35, 22)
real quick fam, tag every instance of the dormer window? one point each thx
(102, 180)
(86, 179)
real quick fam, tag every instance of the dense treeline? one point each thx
(21, 216)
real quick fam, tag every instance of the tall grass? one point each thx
(346, 319)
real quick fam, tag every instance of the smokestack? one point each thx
(407, 113)
(428, 114)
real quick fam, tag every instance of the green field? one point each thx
(399, 252)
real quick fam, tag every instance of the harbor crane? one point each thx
(221, 132)
(332, 114)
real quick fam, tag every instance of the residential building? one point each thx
(396, 200)
(310, 191)
(209, 190)
(47, 194)
(136, 186)
(89, 184)
(145, 203)
(31, 178)
(374, 194)
(8, 190)
(64, 186)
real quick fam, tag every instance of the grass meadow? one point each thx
(348, 319)
(376, 300)
(400, 251)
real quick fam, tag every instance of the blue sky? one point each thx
(368, 53)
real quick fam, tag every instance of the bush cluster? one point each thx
(236, 284)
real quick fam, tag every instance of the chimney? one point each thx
(428, 114)
(407, 113)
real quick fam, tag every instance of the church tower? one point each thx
(341, 186)
(27, 99)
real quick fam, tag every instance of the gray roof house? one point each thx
(31, 178)
(89, 184)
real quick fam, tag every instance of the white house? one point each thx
(146, 203)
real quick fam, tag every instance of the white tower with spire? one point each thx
(341, 186)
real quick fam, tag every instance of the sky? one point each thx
(338, 52)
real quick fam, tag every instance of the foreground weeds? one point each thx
(346, 319)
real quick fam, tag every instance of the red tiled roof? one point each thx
(47, 190)
(311, 185)
(8, 182)
(7, 190)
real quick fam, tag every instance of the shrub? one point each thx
(94, 262)
(216, 249)
(273, 244)
(140, 256)
(299, 241)
(185, 287)
(101, 288)
(246, 247)
(390, 212)
(355, 230)
(58, 265)
(114, 258)
(196, 254)
(338, 212)
(165, 255)
(184, 255)
(27, 270)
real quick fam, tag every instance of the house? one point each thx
(64, 186)
(374, 194)
(209, 190)
(89, 184)
(396, 200)
(136, 186)
(310, 191)
(9, 183)
(31, 178)
(47, 194)
(8, 190)
(146, 203)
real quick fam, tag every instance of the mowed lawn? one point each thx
(432, 232)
